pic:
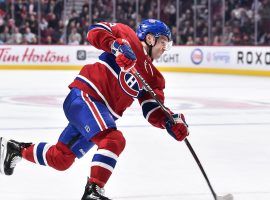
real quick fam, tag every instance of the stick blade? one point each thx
(226, 197)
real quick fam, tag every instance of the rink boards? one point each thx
(238, 60)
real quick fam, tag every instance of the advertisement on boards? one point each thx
(45, 55)
(178, 58)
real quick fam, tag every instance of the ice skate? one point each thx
(93, 192)
(10, 155)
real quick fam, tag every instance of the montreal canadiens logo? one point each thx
(130, 84)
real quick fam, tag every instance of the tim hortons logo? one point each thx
(32, 56)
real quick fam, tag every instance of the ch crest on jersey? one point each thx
(130, 84)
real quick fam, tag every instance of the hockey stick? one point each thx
(169, 116)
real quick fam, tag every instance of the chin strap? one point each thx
(150, 47)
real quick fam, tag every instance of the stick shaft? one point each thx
(169, 116)
(201, 167)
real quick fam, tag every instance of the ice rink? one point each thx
(229, 118)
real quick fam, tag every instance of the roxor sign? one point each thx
(253, 57)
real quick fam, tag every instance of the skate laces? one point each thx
(14, 161)
(99, 190)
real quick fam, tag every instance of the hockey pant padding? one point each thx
(88, 116)
(58, 156)
(76, 142)
(110, 144)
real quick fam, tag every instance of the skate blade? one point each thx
(226, 197)
(3, 153)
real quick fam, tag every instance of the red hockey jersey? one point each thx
(101, 79)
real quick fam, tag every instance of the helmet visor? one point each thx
(164, 42)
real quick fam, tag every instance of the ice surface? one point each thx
(229, 118)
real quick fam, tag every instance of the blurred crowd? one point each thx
(47, 22)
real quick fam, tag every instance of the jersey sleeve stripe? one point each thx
(109, 68)
(150, 112)
(105, 26)
(148, 101)
(111, 64)
(148, 107)
(100, 26)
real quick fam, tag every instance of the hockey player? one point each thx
(99, 95)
